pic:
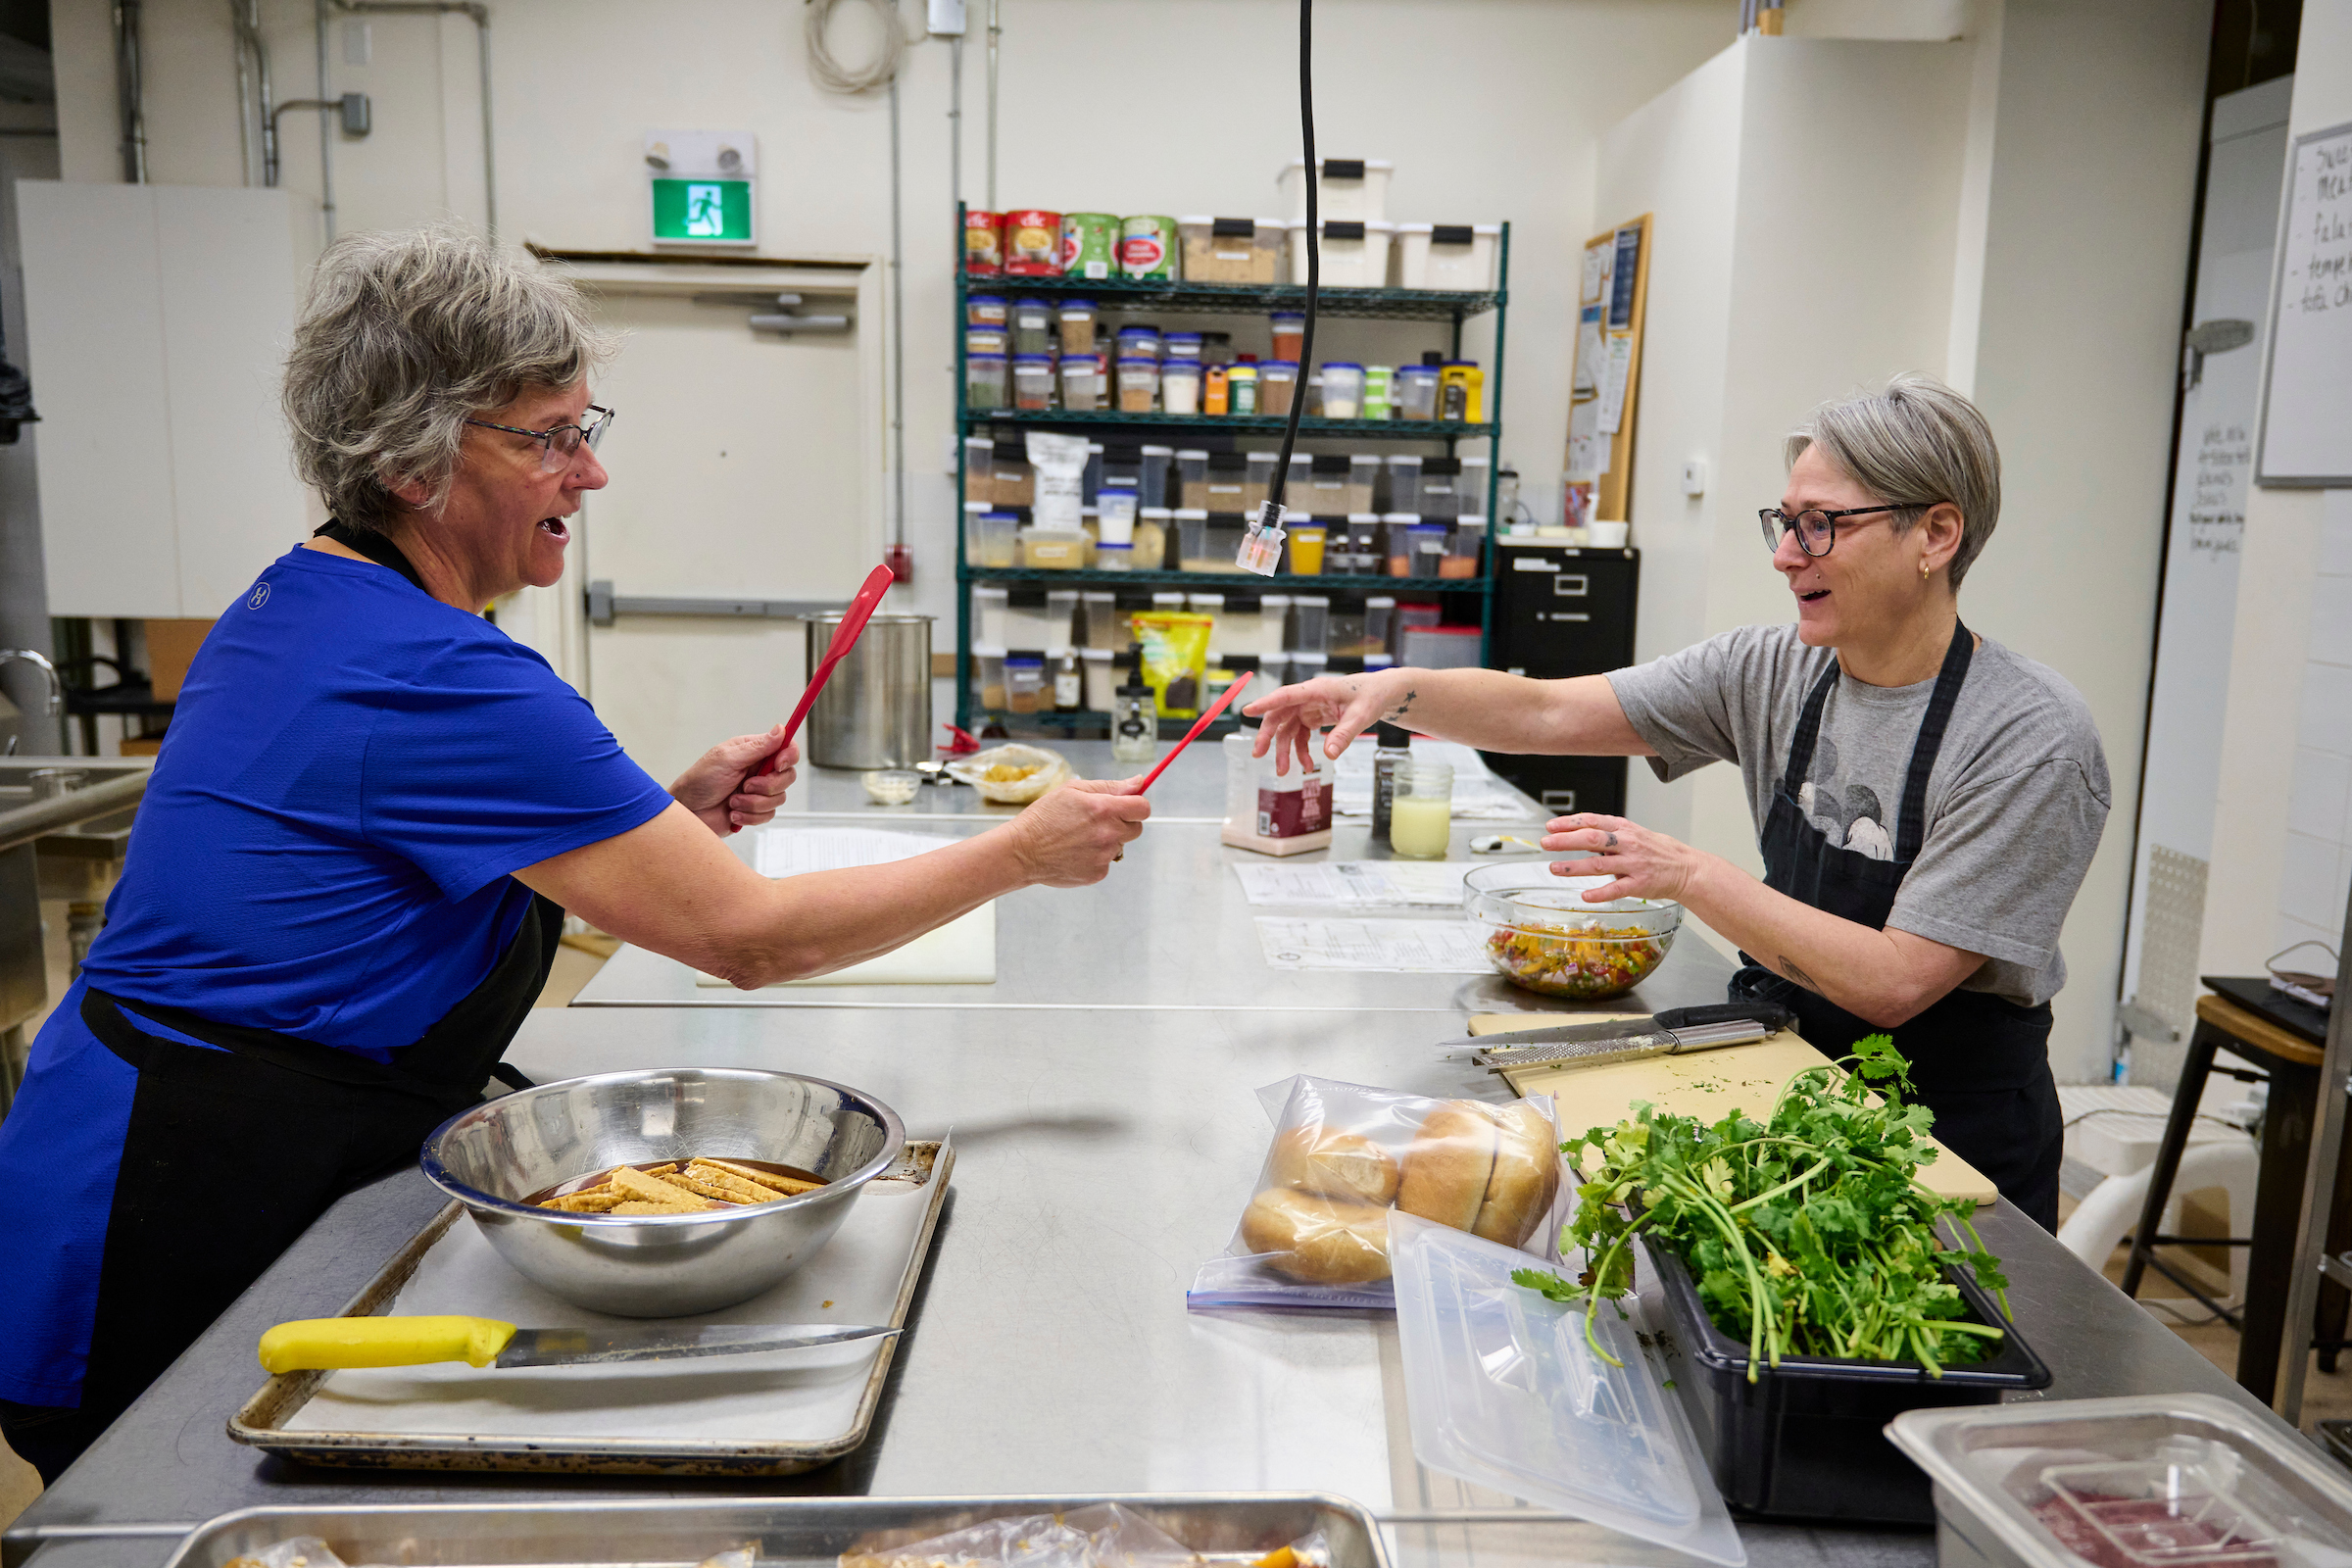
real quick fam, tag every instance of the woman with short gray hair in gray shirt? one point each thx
(1927, 801)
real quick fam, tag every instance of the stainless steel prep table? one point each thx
(1102, 1155)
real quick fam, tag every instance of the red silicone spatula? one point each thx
(862, 610)
(1192, 734)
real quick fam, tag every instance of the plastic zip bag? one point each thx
(1105, 1535)
(1315, 1231)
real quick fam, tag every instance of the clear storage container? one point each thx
(1416, 389)
(1404, 483)
(1139, 342)
(1032, 381)
(986, 309)
(1231, 250)
(1213, 607)
(1154, 470)
(1182, 346)
(1440, 647)
(1277, 384)
(1115, 516)
(1153, 525)
(1025, 684)
(987, 383)
(988, 677)
(1355, 253)
(1061, 618)
(1289, 331)
(994, 542)
(1105, 627)
(1380, 624)
(979, 467)
(1470, 486)
(1355, 188)
(1081, 382)
(1273, 673)
(1307, 667)
(1191, 472)
(1356, 550)
(1273, 624)
(1440, 497)
(1399, 526)
(1257, 479)
(1180, 386)
(986, 340)
(1342, 389)
(1100, 678)
(1425, 545)
(1465, 547)
(1124, 465)
(1033, 327)
(988, 613)
(1447, 256)
(1053, 549)
(1012, 481)
(1225, 486)
(1310, 624)
(1363, 479)
(1139, 386)
(1191, 546)
(1078, 319)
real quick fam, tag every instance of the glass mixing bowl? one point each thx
(1540, 933)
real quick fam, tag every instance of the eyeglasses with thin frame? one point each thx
(559, 444)
(1817, 530)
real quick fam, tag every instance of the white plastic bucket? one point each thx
(1447, 256)
(1350, 260)
(1355, 189)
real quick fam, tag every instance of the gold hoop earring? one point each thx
(1923, 571)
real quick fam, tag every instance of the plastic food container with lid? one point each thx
(1081, 382)
(995, 540)
(986, 340)
(1414, 391)
(1464, 547)
(1363, 477)
(1342, 389)
(1057, 549)
(986, 309)
(1306, 544)
(1137, 342)
(1191, 469)
(1180, 386)
(1470, 488)
(1105, 627)
(988, 676)
(1076, 321)
(1224, 486)
(2147, 1481)
(1257, 479)
(1356, 253)
(1310, 624)
(1440, 647)
(1231, 250)
(1277, 384)
(987, 383)
(1139, 386)
(1355, 188)
(1024, 683)
(1404, 482)
(1115, 516)
(1155, 466)
(1033, 382)
(1447, 256)
(1323, 490)
(1100, 678)
(1182, 346)
(1033, 328)
(1438, 495)
(1274, 623)
(1192, 543)
(1289, 331)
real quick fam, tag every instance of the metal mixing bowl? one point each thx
(493, 1155)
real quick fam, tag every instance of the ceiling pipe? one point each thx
(131, 93)
(480, 16)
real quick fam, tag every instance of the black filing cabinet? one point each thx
(1561, 610)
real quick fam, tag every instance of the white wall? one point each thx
(2253, 881)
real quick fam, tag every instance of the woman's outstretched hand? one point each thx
(720, 789)
(1642, 863)
(1345, 705)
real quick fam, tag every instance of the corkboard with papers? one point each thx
(1612, 299)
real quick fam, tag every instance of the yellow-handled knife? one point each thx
(330, 1343)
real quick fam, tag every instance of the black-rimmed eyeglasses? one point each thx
(559, 444)
(1817, 532)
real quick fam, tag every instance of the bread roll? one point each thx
(1449, 1163)
(1330, 1163)
(1321, 1240)
(1526, 1176)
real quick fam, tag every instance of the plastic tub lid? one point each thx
(1417, 371)
(1383, 600)
(1078, 304)
(1405, 460)
(1033, 358)
(1180, 367)
(1024, 660)
(1154, 512)
(1379, 661)
(1286, 366)
(1157, 451)
(984, 299)
(1007, 517)
(982, 507)
(1409, 518)
(1087, 360)
(1365, 518)
(1137, 330)
(969, 358)
(987, 651)
(1341, 364)
(1189, 513)
(1287, 316)
(1186, 454)
(1274, 601)
(1469, 518)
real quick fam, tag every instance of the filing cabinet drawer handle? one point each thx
(1571, 585)
(1568, 614)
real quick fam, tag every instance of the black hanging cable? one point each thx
(1271, 514)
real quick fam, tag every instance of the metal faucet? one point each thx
(57, 687)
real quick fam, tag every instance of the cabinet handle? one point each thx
(1571, 585)
(1569, 614)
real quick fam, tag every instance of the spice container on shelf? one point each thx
(1081, 382)
(1461, 391)
(1311, 389)
(1289, 331)
(1032, 381)
(986, 383)
(1414, 391)
(1192, 476)
(1400, 526)
(1380, 624)
(1090, 245)
(1241, 387)
(1053, 549)
(1070, 683)
(1464, 547)
(1151, 543)
(979, 468)
(1133, 710)
(1277, 384)
(1105, 627)
(1421, 815)
(1216, 389)
(1426, 545)
(1440, 488)
(1404, 482)
(1024, 683)
(1139, 342)
(1139, 386)
(1273, 624)
(1307, 545)
(1181, 346)
(1115, 516)
(986, 309)
(1213, 607)
(1032, 243)
(1378, 391)
(1231, 250)
(1324, 490)
(1012, 481)
(1098, 677)
(1192, 548)
(988, 676)
(1155, 475)
(1077, 319)
(1033, 327)
(1148, 246)
(1342, 389)
(985, 340)
(997, 545)
(1223, 487)
(1363, 477)
(1180, 386)
(1257, 479)
(1310, 624)
(983, 243)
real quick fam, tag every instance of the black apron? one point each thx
(231, 1154)
(1981, 1063)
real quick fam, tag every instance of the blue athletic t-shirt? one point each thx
(352, 772)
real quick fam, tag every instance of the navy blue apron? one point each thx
(231, 1154)
(1981, 1063)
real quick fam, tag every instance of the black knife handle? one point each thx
(1771, 1014)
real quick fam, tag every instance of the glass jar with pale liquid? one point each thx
(1421, 818)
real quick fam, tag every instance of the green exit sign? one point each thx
(703, 211)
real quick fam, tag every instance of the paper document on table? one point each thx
(1478, 794)
(797, 851)
(1357, 884)
(1391, 946)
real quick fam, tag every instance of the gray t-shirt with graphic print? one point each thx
(2016, 801)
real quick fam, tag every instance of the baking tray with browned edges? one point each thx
(262, 1422)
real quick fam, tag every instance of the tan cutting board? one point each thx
(1706, 1084)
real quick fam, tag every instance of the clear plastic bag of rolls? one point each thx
(1316, 1229)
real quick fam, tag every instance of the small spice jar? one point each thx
(985, 340)
(1241, 387)
(1139, 384)
(985, 382)
(1415, 391)
(1290, 334)
(1078, 317)
(984, 310)
(1277, 384)
(1033, 382)
(1024, 683)
(1137, 342)
(1032, 327)
(1081, 381)
(1180, 386)
(1342, 389)
(1182, 346)
(1379, 379)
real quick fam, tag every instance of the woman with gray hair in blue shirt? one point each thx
(1927, 801)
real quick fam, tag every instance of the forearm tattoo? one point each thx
(1403, 708)
(1789, 967)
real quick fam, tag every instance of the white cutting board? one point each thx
(962, 953)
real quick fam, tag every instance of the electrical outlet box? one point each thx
(1694, 476)
(947, 18)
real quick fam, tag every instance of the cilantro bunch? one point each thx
(1808, 1232)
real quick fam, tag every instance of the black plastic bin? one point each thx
(1807, 1439)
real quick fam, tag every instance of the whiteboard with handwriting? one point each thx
(2307, 413)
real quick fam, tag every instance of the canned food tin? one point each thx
(1148, 246)
(1090, 245)
(1033, 244)
(983, 243)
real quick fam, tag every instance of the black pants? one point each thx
(227, 1160)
